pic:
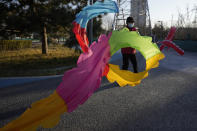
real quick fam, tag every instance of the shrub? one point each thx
(187, 45)
(15, 44)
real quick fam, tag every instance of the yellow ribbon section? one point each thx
(45, 113)
(124, 77)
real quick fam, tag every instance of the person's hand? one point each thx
(134, 51)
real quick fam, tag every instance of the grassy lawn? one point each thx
(31, 62)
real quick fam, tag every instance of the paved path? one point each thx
(11, 81)
(186, 63)
(172, 58)
(165, 101)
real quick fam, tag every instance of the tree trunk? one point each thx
(44, 41)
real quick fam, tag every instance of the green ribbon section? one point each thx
(125, 38)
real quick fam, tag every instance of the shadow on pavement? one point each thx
(29, 88)
(178, 112)
(12, 113)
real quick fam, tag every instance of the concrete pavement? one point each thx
(186, 63)
(165, 101)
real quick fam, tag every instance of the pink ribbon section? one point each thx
(79, 83)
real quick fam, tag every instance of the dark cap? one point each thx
(130, 19)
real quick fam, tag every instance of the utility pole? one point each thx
(90, 35)
(161, 28)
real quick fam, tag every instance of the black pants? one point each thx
(132, 58)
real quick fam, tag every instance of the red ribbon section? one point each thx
(168, 42)
(81, 36)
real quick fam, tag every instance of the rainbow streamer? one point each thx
(79, 83)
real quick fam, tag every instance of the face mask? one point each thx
(130, 25)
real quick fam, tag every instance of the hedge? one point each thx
(15, 44)
(187, 45)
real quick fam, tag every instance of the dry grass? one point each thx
(27, 62)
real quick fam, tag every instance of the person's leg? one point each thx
(125, 59)
(134, 62)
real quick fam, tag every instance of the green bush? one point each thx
(15, 44)
(187, 45)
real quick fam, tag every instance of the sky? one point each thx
(162, 10)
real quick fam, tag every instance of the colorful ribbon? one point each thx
(79, 83)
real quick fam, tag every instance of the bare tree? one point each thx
(195, 16)
(107, 23)
(188, 17)
(187, 24)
